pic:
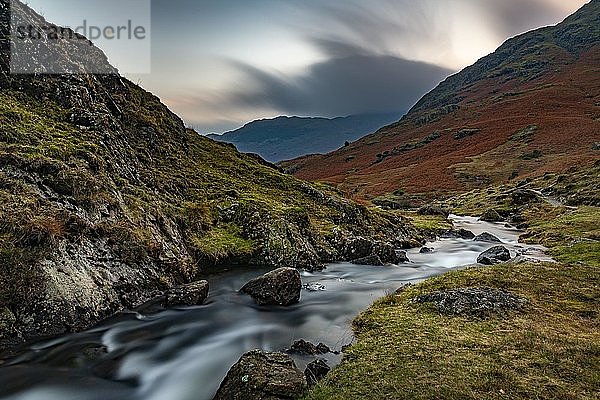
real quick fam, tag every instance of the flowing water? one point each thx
(184, 353)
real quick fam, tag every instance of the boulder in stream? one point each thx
(495, 255)
(279, 287)
(263, 375)
(402, 257)
(487, 237)
(192, 294)
(426, 250)
(458, 234)
(304, 348)
(369, 260)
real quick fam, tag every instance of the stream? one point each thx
(184, 353)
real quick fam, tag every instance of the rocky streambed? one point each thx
(185, 352)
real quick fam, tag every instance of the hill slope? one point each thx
(283, 138)
(107, 200)
(532, 106)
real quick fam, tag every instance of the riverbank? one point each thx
(185, 352)
(550, 349)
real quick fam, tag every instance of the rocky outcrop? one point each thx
(487, 237)
(316, 371)
(476, 302)
(279, 287)
(192, 294)
(495, 255)
(433, 210)
(260, 375)
(521, 197)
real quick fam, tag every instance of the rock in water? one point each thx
(491, 216)
(477, 302)
(264, 376)
(369, 260)
(316, 371)
(426, 250)
(304, 348)
(487, 237)
(402, 257)
(458, 234)
(279, 287)
(314, 287)
(192, 294)
(495, 255)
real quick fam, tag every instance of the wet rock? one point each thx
(495, 255)
(426, 250)
(279, 287)
(314, 287)
(304, 348)
(369, 260)
(477, 302)
(433, 210)
(323, 349)
(491, 216)
(458, 234)
(487, 237)
(192, 294)
(402, 257)
(263, 375)
(316, 371)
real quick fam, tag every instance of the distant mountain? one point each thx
(283, 138)
(531, 107)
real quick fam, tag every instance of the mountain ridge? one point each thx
(287, 137)
(545, 78)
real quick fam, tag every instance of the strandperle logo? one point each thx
(120, 28)
(82, 32)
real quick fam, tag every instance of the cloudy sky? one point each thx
(221, 63)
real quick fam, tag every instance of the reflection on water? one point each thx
(181, 354)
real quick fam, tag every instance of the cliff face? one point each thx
(107, 200)
(531, 107)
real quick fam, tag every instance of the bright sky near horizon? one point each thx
(220, 64)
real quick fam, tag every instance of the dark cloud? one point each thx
(351, 82)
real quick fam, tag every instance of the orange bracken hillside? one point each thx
(531, 107)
